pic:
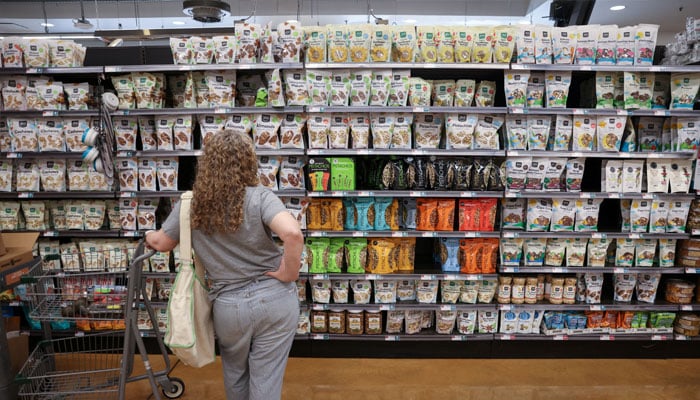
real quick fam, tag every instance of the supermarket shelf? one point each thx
(197, 67)
(597, 195)
(158, 275)
(606, 68)
(585, 337)
(405, 193)
(413, 109)
(677, 336)
(406, 152)
(150, 195)
(132, 234)
(43, 154)
(53, 70)
(422, 336)
(209, 111)
(417, 234)
(603, 112)
(52, 113)
(279, 152)
(58, 195)
(80, 234)
(401, 276)
(689, 307)
(566, 270)
(199, 152)
(602, 154)
(605, 305)
(692, 270)
(595, 235)
(404, 306)
(399, 65)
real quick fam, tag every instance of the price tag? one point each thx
(450, 277)
(417, 152)
(685, 307)
(473, 277)
(505, 307)
(398, 234)
(319, 307)
(315, 109)
(364, 194)
(127, 195)
(458, 338)
(359, 234)
(681, 337)
(25, 195)
(598, 236)
(695, 232)
(33, 70)
(320, 276)
(579, 111)
(50, 234)
(363, 152)
(113, 69)
(576, 154)
(14, 155)
(338, 194)
(614, 196)
(318, 234)
(428, 234)
(691, 270)
(220, 110)
(131, 233)
(658, 337)
(467, 194)
(416, 194)
(386, 307)
(655, 69)
(373, 277)
(319, 337)
(648, 196)
(635, 236)
(560, 337)
(622, 112)
(427, 277)
(619, 270)
(661, 113)
(420, 109)
(587, 195)
(509, 269)
(517, 111)
(79, 334)
(49, 114)
(510, 234)
(595, 307)
(507, 337)
(558, 270)
(514, 153)
(607, 337)
(391, 338)
(447, 307)
(586, 68)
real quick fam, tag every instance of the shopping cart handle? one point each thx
(141, 254)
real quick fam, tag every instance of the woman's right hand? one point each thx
(283, 274)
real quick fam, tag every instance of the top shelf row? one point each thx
(438, 66)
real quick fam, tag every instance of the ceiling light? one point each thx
(206, 10)
(47, 24)
(617, 8)
(178, 23)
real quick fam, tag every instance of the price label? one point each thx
(25, 195)
(320, 276)
(79, 334)
(658, 337)
(131, 233)
(579, 111)
(34, 70)
(598, 236)
(695, 232)
(622, 112)
(318, 234)
(509, 269)
(614, 195)
(363, 152)
(450, 277)
(14, 155)
(607, 337)
(359, 234)
(505, 307)
(391, 338)
(428, 234)
(558, 270)
(427, 277)
(467, 194)
(576, 154)
(635, 236)
(510, 234)
(655, 69)
(507, 337)
(458, 338)
(517, 111)
(364, 194)
(560, 337)
(685, 307)
(681, 337)
(398, 234)
(319, 307)
(127, 195)
(420, 109)
(373, 277)
(113, 69)
(49, 114)
(338, 194)
(619, 270)
(473, 277)
(447, 307)
(691, 271)
(386, 307)
(595, 307)
(514, 153)
(661, 113)
(50, 234)
(586, 68)
(220, 110)
(319, 337)
(648, 196)
(315, 109)
(587, 195)
(416, 194)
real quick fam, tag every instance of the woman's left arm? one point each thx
(159, 240)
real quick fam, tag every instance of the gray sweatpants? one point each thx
(255, 327)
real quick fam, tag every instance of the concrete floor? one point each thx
(464, 379)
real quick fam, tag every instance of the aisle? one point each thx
(464, 379)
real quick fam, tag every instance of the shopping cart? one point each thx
(94, 296)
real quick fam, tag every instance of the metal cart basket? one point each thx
(93, 365)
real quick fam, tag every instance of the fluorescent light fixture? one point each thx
(47, 24)
(410, 21)
(178, 23)
(617, 8)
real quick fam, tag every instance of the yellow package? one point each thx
(483, 46)
(315, 44)
(380, 256)
(313, 215)
(337, 36)
(445, 44)
(464, 43)
(406, 253)
(404, 44)
(391, 215)
(335, 213)
(380, 46)
(504, 42)
(359, 40)
(427, 44)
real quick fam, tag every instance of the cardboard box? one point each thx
(3, 250)
(19, 251)
(19, 350)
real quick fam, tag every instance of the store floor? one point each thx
(464, 379)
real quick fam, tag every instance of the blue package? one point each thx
(350, 223)
(365, 221)
(381, 204)
(449, 254)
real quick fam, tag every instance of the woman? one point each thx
(253, 292)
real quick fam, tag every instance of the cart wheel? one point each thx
(177, 390)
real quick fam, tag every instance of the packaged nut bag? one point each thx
(526, 44)
(516, 128)
(296, 89)
(483, 37)
(221, 86)
(144, 88)
(604, 89)
(359, 130)
(443, 93)
(427, 43)
(167, 171)
(34, 213)
(584, 133)
(147, 174)
(681, 173)
(211, 125)
(563, 131)
(632, 176)
(318, 83)
(427, 129)
(51, 96)
(53, 175)
(24, 134)
(609, 132)
(224, 49)
(419, 92)
(127, 212)
(662, 91)
(5, 139)
(291, 38)
(536, 174)
(564, 42)
(339, 133)
(61, 53)
(464, 92)
(203, 49)
(504, 42)
(380, 87)
(27, 176)
(612, 176)
(658, 176)
(463, 43)
(645, 43)
(639, 214)
(267, 171)
(182, 133)
(99, 181)
(361, 84)
(538, 127)
(164, 133)
(248, 42)
(485, 93)
(404, 44)
(658, 216)
(265, 131)
(291, 174)
(291, 131)
(684, 88)
(78, 95)
(586, 44)
(6, 175)
(563, 215)
(147, 131)
(337, 43)
(486, 132)
(539, 215)
(315, 43)
(382, 128)
(557, 86)
(574, 174)
(340, 87)
(359, 42)
(9, 215)
(73, 129)
(274, 88)
(182, 90)
(646, 90)
(516, 83)
(318, 128)
(624, 47)
(605, 49)
(128, 174)
(535, 90)
(125, 91)
(247, 87)
(677, 216)
(543, 44)
(268, 42)
(459, 130)
(13, 93)
(12, 53)
(401, 137)
(50, 134)
(380, 44)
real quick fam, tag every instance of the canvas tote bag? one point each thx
(190, 333)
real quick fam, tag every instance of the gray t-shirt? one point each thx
(232, 260)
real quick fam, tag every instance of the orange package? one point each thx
(391, 215)
(594, 319)
(313, 215)
(609, 320)
(118, 325)
(380, 256)
(487, 215)
(335, 211)
(469, 217)
(406, 253)
(624, 319)
(83, 325)
(489, 256)
(469, 256)
(446, 215)
(427, 214)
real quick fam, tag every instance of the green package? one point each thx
(356, 255)
(342, 173)
(336, 255)
(319, 171)
(317, 254)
